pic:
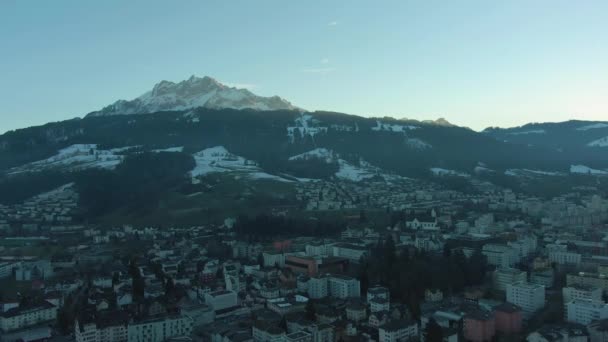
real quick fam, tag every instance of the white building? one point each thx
(106, 329)
(318, 287)
(379, 304)
(529, 297)
(565, 257)
(221, 299)
(319, 249)
(378, 292)
(26, 316)
(580, 292)
(584, 311)
(398, 330)
(6, 268)
(505, 276)
(500, 255)
(273, 259)
(416, 224)
(335, 286)
(349, 251)
(159, 328)
(344, 287)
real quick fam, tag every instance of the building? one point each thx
(313, 266)
(354, 253)
(508, 319)
(299, 336)
(335, 286)
(109, 327)
(598, 330)
(433, 295)
(565, 257)
(267, 331)
(584, 311)
(506, 276)
(500, 255)
(559, 333)
(479, 326)
(356, 311)
(591, 279)
(379, 304)
(273, 259)
(343, 287)
(28, 315)
(529, 297)
(397, 330)
(319, 248)
(221, 299)
(378, 292)
(543, 277)
(6, 268)
(200, 313)
(580, 292)
(318, 287)
(159, 328)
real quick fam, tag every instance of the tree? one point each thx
(433, 332)
(311, 311)
(63, 321)
(169, 287)
(139, 287)
(115, 279)
(362, 217)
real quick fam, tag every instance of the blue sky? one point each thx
(476, 63)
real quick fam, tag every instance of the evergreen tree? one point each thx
(311, 311)
(433, 332)
(115, 279)
(169, 287)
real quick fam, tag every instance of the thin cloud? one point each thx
(249, 86)
(325, 61)
(321, 71)
(332, 23)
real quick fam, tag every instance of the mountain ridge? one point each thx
(192, 93)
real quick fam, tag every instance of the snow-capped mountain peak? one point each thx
(193, 93)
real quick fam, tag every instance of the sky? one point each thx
(475, 63)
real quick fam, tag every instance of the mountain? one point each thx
(573, 136)
(269, 140)
(195, 92)
(192, 140)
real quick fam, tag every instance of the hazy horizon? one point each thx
(474, 63)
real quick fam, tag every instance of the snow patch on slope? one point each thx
(170, 149)
(219, 160)
(385, 127)
(347, 171)
(438, 171)
(78, 157)
(602, 142)
(582, 169)
(593, 126)
(530, 172)
(418, 144)
(318, 153)
(534, 131)
(305, 125)
(60, 191)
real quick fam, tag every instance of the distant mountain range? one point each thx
(229, 130)
(570, 135)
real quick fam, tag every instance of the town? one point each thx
(414, 262)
